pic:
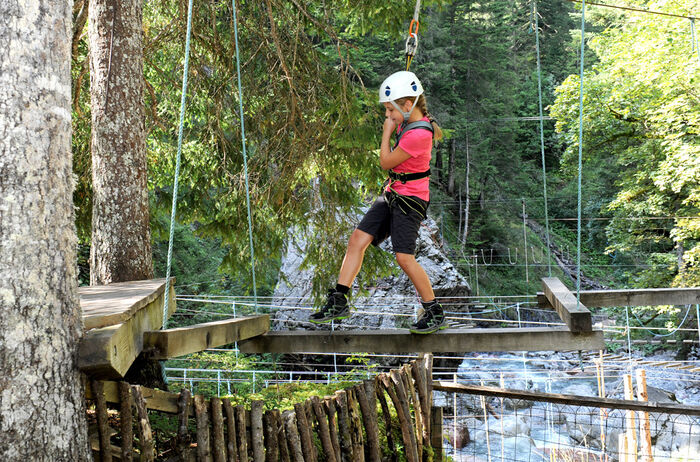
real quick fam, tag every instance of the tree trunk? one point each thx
(451, 168)
(466, 195)
(42, 410)
(121, 240)
(438, 164)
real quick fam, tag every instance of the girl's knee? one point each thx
(404, 259)
(359, 241)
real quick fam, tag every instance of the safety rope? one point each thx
(580, 157)
(183, 101)
(412, 39)
(245, 157)
(544, 171)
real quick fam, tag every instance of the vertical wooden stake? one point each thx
(329, 405)
(281, 436)
(341, 401)
(407, 375)
(631, 421)
(622, 448)
(323, 430)
(182, 441)
(102, 424)
(394, 386)
(217, 433)
(369, 418)
(355, 426)
(231, 440)
(145, 433)
(645, 427)
(241, 431)
(304, 429)
(418, 371)
(256, 430)
(202, 418)
(436, 433)
(126, 404)
(294, 443)
(380, 388)
(270, 434)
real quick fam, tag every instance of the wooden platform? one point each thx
(115, 318)
(124, 319)
(402, 341)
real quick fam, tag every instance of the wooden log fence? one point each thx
(357, 424)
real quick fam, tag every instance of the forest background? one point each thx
(310, 71)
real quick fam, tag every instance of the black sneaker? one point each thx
(429, 320)
(335, 309)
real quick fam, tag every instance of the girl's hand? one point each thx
(389, 127)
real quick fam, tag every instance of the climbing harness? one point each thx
(406, 203)
(412, 39)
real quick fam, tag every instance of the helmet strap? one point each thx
(406, 115)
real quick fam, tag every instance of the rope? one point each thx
(183, 100)
(245, 157)
(649, 329)
(544, 171)
(580, 157)
(412, 45)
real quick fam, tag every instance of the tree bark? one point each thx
(451, 168)
(42, 401)
(121, 239)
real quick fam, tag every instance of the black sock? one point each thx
(342, 289)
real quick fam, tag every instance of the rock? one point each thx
(580, 389)
(294, 288)
(460, 438)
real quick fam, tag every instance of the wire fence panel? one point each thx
(487, 428)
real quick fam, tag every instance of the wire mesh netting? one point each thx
(489, 428)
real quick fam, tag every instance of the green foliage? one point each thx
(641, 140)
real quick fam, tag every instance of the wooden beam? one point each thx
(574, 400)
(155, 399)
(171, 343)
(402, 341)
(574, 314)
(108, 352)
(633, 297)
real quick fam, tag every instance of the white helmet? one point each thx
(400, 84)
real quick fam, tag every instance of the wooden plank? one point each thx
(574, 314)
(112, 304)
(402, 341)
(574, 400)
(108, 352)
(633, 297)
(171, 343)
(144, 425)
(201, 412)
(155, 399)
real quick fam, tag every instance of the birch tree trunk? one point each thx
(121, 239)
(42, 411)
(466, 195)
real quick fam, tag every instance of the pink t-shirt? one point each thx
(418, 143)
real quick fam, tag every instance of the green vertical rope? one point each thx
(580, 157)
(177, 163)
(544, 171)
(245, 158)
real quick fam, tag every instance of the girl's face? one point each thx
(394, 114)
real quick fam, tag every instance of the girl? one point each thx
(399, 211)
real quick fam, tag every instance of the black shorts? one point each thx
(382, 221)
